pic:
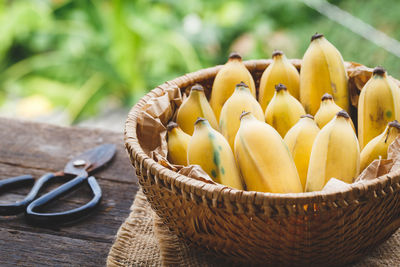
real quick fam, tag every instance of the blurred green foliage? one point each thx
(82, 54)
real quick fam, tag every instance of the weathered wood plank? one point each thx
(49, 147)
(33, 148)
(19, 248)
(100, 226)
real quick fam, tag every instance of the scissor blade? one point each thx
(91, 159)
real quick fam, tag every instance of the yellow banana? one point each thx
(232, 73)
(241, 100)
(196, 105)
(322, 71)
(283, 111)
(300, 139)
(178, 142)
(335, 153)
(279, 71)
(264, 159)
(327, 111)
(209, 149)
(378, 104)
(378, 146)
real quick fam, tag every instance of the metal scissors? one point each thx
(77, 170)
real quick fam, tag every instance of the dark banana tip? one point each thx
(235, 55)
(307, 116)
(197, 87)
(395, 124)
(199, 119)
(171, 125)
(277, 53)
(280, 87)
(316, 36)
(242, 84)
(379, 70)
(244, 113)
(326, 97)
(343, 114)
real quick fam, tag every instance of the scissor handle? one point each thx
(20, 181)
(39, 218)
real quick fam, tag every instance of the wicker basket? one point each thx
(256, 227)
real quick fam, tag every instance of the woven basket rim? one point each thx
(199, 189)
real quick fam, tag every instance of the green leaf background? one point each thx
(79, 54)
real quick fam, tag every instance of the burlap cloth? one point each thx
(143, 240)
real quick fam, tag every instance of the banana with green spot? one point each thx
(209, 149)
(378, 104)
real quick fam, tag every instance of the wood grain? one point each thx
(47, 147)
(19, 248)
(33, 148)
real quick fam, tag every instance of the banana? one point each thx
(283, 111)
(279, 71)
(196, 105)
(327, 111)
(378, 146)
(322, 71)
(335, 153)
(264, 159)
(241, 100)
(378, 104)
(300, 139)
(232, 73)
(209, 149)
(178, 142)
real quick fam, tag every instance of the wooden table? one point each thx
(33, 148)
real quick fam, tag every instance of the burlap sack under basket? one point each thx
(330, 227)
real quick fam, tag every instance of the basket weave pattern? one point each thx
(278, 229)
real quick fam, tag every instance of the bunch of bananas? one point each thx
(273, 143)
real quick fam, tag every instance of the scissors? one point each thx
(77, 171)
